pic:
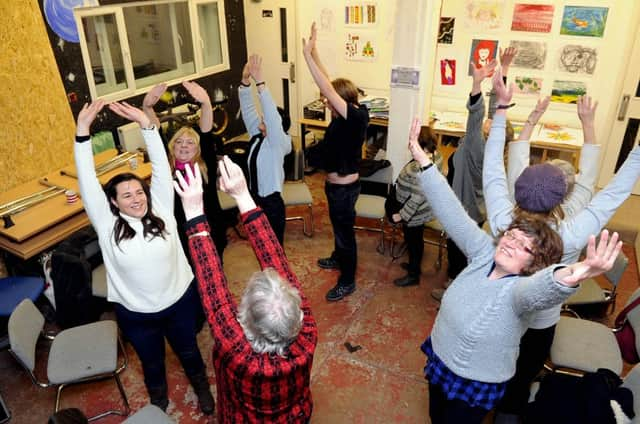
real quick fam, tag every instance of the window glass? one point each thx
(210, 34)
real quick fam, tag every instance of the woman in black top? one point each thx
(344, 138)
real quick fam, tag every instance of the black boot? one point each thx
(407, 280)
(158, 396)
(200, 384)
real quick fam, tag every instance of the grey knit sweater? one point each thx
(478, 328)
(416, 209)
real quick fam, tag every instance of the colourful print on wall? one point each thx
(360, 14)
(532, 17)
(583, 20)
(360, 46)
(567, 91)
(531, 54)
(577, 59)
(482, 51)
(448, 71)
(527, 86)
(484, 14)
(445, 31)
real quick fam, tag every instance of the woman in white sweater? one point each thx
(148, 276)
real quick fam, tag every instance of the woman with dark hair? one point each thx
(473, 347)
(148, 276)
(343, 138)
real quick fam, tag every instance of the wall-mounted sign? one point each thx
(405, 77)
(267, 13)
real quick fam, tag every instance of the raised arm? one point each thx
(272, 120)
(445, 205)
(494, 180)
(161, 179)
(93, 198)
(201, 96)
(150, 100)
(247, 108)
(319, 74)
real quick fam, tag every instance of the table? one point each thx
(322, 125)
(51, 221)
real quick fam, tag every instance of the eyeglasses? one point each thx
(520, 244)
(187, 141)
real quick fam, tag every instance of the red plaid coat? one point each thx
(253, 387)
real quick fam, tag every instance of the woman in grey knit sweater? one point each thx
(474, 343)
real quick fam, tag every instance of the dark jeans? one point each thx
(457, 261)
(454, 411)
(535, 346)
(341, 199)
(146, 332)
(273, 207)
(413, 236)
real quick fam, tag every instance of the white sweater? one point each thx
(143, 275)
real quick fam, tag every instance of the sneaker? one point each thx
(407, 280)
(437, 294)
(328, 263)
(340, 291)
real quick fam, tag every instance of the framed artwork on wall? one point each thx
(448, 71)
(532, 17)
(482, 52)
(445, 31)
(531, 54)
(584, 21)
(528, 86)
(482, 15)
(577, 59)
(567, 91)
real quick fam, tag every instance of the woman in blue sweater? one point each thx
(473, 347)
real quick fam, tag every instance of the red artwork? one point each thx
(532, 17)
(448, 71)
(72, 96)
(482, 52)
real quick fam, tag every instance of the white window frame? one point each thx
(130, 88)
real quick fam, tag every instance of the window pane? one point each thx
(105, 53)
(210, 33)
(160, 42)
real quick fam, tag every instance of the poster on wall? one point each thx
(482, 51)
(361, 46)
(484, 14)
(583, 20)
(527, 86)
(326, 22)
(448, 71)
(577, 59)
(567, 91)
(531, 54)
(360, 14)
(532, 17)
(445, 31)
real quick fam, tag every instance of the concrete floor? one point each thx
(382, 382)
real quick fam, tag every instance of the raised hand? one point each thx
(246, 75)
(599, 259)
(131, 113)
(231, 179)
(87, 115)
(190, 192)
(309, 46)
(503, 93)
(417, 152)
(479, 74)
(586, 108)
(255, 68)
(152, 97)
(506, 57)
(539, 110)
(197, 92)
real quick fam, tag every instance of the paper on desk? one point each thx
(450, 121)
(553, 133)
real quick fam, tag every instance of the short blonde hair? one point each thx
(190, 132)
(569, 172)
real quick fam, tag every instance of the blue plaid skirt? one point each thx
(475, 393)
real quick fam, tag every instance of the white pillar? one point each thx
(415, 40)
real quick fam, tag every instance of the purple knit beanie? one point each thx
(540, 188)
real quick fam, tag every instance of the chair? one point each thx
(99, 281)
(149, 414)
(632, 382)
(77, 355)
(591, 295)
(434, 227)
(298, 194)
(371, 206)
(581, 346)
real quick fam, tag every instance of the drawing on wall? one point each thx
(578, 59)
(484, 14)
(445, 31)
(360, 14)
(360, 46)
(448, 71)
(585, 21)
(567, 91)
(326, 21)
(482, 51)
(59, 16)
(532, 17)
(531, 54)
(527, 86)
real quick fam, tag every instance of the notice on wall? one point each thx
(405, 77)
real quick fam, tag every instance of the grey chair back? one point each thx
(634, 317)
(25, 325)
(614, 275)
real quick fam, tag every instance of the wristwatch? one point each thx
(424, 168)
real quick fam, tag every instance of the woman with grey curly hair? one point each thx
(263, 349)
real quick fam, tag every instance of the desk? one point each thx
(51, 221)
(322, 125)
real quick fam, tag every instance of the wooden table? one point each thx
(51, 221)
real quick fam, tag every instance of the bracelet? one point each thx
(199, 234)
(424, 168)
(530, 122)
(505, 106)
(245, 85)
(151, 128)
(260, 83)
